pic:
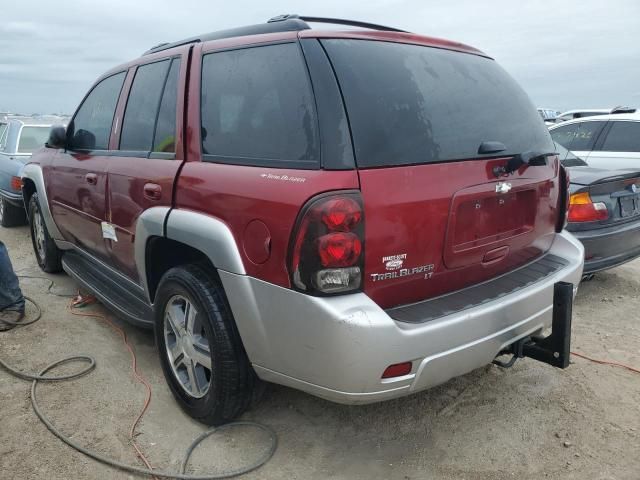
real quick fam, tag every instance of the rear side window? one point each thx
(3, 129)
(257, 108)
(32, 139)
(578, 136)
(91, 127)
(409, 104)
(623, 137)
(142, 106)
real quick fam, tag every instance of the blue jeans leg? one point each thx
(10, 294)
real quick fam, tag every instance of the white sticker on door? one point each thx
(109, 231)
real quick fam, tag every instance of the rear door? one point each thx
(620, 147)
(148, 153)
(437, 218)
(76, 178)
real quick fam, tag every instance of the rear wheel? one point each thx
(10, 215)
(201, 353)
(47, 254)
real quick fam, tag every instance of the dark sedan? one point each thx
(604, 212)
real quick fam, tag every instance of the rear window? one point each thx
(578, 136)
(409, 104)
(32, 139)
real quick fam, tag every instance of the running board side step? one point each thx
(120, 296)
(554, 349)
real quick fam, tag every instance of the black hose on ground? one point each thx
(91, 364)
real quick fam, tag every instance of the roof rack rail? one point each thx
(287, 25)
(335, 21)
(281, 23)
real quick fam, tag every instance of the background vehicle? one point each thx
(593, 112)
(604, 212)
(289, 222)
(19, 138)
(607, 141)
(548, 115)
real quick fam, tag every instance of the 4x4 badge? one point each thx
(503, 187)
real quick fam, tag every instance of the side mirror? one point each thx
(57, 137)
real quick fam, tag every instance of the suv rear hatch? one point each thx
(437, 218)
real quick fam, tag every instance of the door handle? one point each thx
(91, 178)
(152, 191)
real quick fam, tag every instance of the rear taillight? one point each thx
(327, 245)
(563, 200)
(583, 209)
(16, 183)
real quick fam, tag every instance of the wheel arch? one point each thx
(166, 238)
(33, 182)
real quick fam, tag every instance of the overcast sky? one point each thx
(566, 54)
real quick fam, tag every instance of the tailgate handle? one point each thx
(495, 255)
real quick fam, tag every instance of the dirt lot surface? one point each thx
(529, 422)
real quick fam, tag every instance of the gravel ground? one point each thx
(529, 422)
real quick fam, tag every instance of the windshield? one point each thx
(410, 104)
(32, 138)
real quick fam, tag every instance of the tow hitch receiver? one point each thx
(556, 348)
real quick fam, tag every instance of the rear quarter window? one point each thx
(257, 108)
(410, 104)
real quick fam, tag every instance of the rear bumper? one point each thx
(12, 198)
(338, 347)
(609, 247)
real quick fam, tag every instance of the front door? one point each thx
(142, 172)
(76, 178)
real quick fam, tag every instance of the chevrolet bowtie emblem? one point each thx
(503, 187)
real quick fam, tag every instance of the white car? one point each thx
(591, 112)
(605, 141)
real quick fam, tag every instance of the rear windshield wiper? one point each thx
(532, 159)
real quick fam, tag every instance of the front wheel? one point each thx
(47, 253)
(201, 353)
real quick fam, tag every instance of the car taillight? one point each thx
(563, 200)
(16, 183)
(583, 209)
(327, 245)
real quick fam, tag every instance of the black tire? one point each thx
(232, 381)
(10, 215)
(47, 254)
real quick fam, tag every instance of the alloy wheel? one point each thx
(39, 234)
(187, 346)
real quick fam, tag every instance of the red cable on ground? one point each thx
(606, 362)
(87, 300)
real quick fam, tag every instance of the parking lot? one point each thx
(529, 422)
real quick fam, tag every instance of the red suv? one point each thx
(357, 214)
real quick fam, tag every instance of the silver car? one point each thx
(19, 138)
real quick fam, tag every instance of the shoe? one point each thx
(9, 319)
